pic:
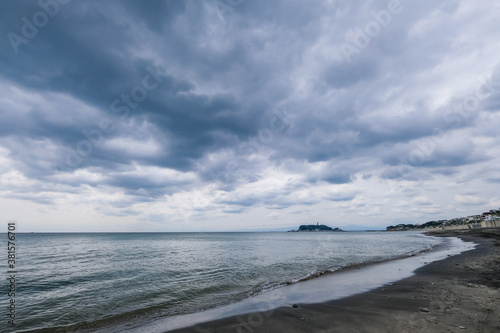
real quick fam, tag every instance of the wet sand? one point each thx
(458, 294)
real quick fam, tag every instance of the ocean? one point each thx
(88, 281)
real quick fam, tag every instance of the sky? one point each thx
(224, 115)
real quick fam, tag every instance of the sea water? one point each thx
(87, 281)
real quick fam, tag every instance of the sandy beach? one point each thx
(457, 294)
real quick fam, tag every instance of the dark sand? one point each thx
(458, 294)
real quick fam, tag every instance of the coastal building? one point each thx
(473, 218)
(493, 214)
(490, 219)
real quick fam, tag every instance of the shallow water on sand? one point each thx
(86, 281)
(328, 287)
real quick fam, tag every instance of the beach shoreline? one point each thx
(451, 295)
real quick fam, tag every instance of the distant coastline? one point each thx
(488, 219)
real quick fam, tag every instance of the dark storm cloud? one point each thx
(86, 52)
(126, 89)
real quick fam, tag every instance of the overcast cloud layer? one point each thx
(213, 115)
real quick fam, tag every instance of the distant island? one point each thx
(316, 228)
